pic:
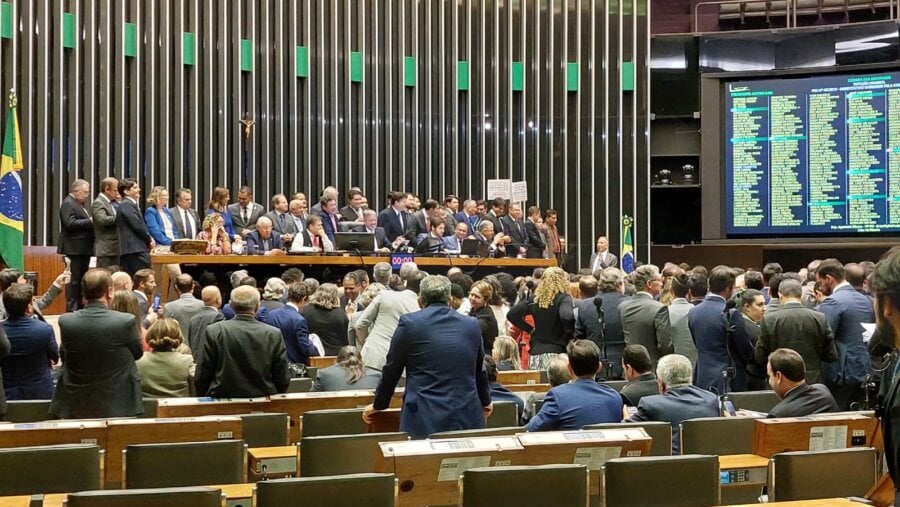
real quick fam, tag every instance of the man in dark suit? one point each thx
(885, 286)
(514, 227)
(498, 206)
(639, 373)
(420, 222)
(582, 402)
(796, 327)
(76, 238)
(469, 216)
(209, 314)
(293, 326)
(679, 399)
(99, 349)
(845, 310)
(645, 320)
(598, 319)
(230, 368)
(245, 212)
(184, 217)
(353, 211)
(441, 350)
(134, 238)
(26, 371)
(394, 218)
(370, 225)
(264, 239)
(535, 245)
(602, 258)
(329, 216)
(786, 377)
(103, 213)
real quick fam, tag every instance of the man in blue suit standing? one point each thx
(293, 326)
(446, 385)
(394, 218)
(576, 404)
(845, 310)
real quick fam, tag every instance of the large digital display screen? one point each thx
(813, 155)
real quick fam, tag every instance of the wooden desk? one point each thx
(742, 477)
(348, 259)
(273, 462)
(815, 432)
(124, 432)
(322, 361)
(537, 388)
(519, 377)
(54, 433)
(822, 502)
(236, 495)
(194, 407)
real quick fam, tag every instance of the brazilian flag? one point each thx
(627, 245)
(12, 225)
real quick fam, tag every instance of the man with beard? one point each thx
(885, 285)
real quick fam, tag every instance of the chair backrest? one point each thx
(184, 464)
(342, 421)
(265, 429)
(486, 432)
(659, 431)
(805, 475)
(25, 411)
(170, 497)
(505, 413)
(513, 486)
(300, 385)
(760, 401)
(150, 407)
(311, 372)
(673, 481)
(718, 435)
(372, 490)
(50, 469)
(342, 454)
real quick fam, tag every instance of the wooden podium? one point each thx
(815, 433)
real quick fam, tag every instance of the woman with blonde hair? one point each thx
(217, 240)
(166, 373)
(347, 373)
(479, 297)
(327, 318)
(554, 318)
(126, 302)
(366, 298)
(506, 353)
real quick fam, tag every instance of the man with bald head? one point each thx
(121, 281)
(209, 314)
(186, 306)
(242, 357)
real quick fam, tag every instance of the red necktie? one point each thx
(427, 224)
(315, 241)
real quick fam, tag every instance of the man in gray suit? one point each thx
(185, 218)
(682, 340)
(645, 321)
(99, 349)
(209, 314)
(282, 221)
(103, 212)
(679, 399)
(242, 357)
(186, 306)
(245, 212)
(602, 258)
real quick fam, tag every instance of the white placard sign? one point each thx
(519, 191)
(499, 188)
(824, 438)
(452, 468)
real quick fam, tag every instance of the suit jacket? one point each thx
(682, 339)
(330, 324)
(157, 228)
(178, 220)
(845, 310)
(242, 358)
(708, 326)
(890, 420)
(608, 261)
(461, 217)
(76, 231)
(515, 229)
(577, 404)
(334, 378)
(328, 226)
(105, 230)
(289, 226)
(676, 405)
(166, 374)
(196, 336)
(608, 334)
(26, 370)
(379, 321)
(183, 310)
(488, 324)
(380, 237)
(494, 219)
(133, 234)
(452, 244)
(347, 213)
(803, 400)
(99, 376)
(553, 326)
(446, 386)
(256, 211)
(389, 221)
(415, 226)
(635, 390)
(645, 321)
(295, 333)
(796, 327)
(535, 242)
(253, 240)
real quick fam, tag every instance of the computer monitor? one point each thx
(473, 247)
(364, 241)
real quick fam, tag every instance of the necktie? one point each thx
(281, 219)
(334, 226)
(246, 216)
(115, 207)
(315, 241)
(400, 217)
(188, 230)
(427, 224)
